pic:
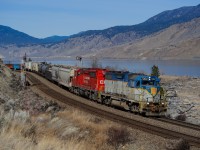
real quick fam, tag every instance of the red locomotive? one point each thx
(89, 82)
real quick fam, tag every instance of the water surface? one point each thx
(167, 67)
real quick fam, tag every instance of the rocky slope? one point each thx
(186, 105)
(180, 41)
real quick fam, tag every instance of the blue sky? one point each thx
(43, 18)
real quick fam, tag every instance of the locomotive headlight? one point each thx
(147, 103)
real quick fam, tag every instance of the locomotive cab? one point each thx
(149, 83)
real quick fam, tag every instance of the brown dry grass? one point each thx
(96, 127)
(69, 129)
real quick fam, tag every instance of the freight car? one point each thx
(89, 82)
(135, 92)
(28, 65)
(45, 70)
(14, 66)
(10, 66)
(63, 75)
(35, 66)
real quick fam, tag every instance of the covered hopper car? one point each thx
(63, 75)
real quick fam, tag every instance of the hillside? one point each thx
(11, 36)
(91, 42)
(54, 39)
(180, 41)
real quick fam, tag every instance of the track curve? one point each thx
(164, 129)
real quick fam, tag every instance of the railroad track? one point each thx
(180, 123)
(118, 117)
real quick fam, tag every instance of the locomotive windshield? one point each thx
(150, 82)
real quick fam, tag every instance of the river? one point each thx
(166, 67)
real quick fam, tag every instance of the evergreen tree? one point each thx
(155, 71)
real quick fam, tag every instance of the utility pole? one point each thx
(23, 71)
(80, 60)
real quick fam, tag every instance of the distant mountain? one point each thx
(54, 39)
(11, 36)
(180, 41)
(152, 25)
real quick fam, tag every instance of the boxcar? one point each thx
(9, 66)
(89, 82)
(16, 66)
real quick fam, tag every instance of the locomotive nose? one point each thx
(153, 91)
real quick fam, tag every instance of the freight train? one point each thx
(13, 66)
(134, 92)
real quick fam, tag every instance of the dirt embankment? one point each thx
(29, 121)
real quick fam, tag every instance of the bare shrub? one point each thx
(168, 116)
(2, 122)
(181, 117)
(2, 101)
(111, 68)
(180, 144)
(30, 133)
(95, 120)
(118, 136)
(95, 63)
